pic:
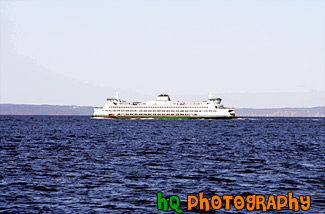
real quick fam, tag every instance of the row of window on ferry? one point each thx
(160, 110)
(159, 114)
(158, 107)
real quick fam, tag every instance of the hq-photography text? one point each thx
(250, 202)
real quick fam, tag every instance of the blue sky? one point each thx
(252, 53)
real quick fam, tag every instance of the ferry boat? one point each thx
(164, 108)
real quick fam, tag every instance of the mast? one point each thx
(117, 97)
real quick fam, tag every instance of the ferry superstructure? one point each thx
(164, 108)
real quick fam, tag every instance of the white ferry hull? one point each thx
(175, 117)
(163, 108)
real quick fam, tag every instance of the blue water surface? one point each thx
(74, 164)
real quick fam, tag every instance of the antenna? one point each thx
(210, 95)
(117, 97)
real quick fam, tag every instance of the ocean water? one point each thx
(74, 164)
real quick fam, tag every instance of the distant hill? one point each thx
(22, 109)
(283, 112)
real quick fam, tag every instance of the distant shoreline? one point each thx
(240, 117)
(72, 110)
